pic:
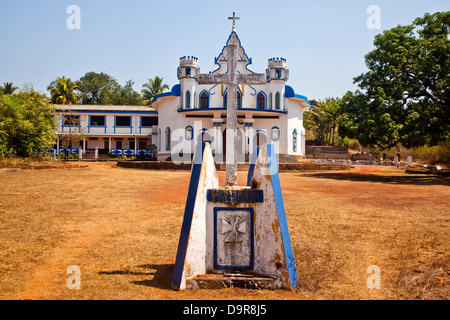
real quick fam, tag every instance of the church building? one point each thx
(193, 112)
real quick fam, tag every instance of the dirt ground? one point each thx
(121, 228)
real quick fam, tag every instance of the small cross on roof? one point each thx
(234, 18)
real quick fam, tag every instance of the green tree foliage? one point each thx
(152, 88)
(405, 95)
(103, 89)
(127, 96)
(62, 91)
(26, 123)
(8, 88)
(322, 120)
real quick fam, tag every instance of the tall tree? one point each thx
(103, 89)
(152, 88)
(8, 88)
(62, 91)
(97, 88)
(128, 96)
(322, 120)
(405, 95)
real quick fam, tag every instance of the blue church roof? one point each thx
(289, 93)
(176, 92)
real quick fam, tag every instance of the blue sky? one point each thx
(323, 41)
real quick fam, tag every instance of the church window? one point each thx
(188, 72)
(189, 133)
(204, 136)
(159, 139)
(204, 100)
(270, 101)
(168, 138)
(239, 99)
(294, 140)
(275, 134)
(225, 100)
(261, 101)
(188, 100)
(277, 73)
(277, 101)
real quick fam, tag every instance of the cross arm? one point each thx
(253, 78)
(209, 78)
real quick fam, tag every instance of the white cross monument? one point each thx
(232, 79)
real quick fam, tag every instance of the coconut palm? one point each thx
(151, 89)
(62, 91)
(322, 120)
(8, 88)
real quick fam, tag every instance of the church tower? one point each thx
(188, 72)
(277, 74)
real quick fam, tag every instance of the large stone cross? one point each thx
(232, 78)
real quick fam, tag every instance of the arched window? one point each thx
(188, 72)
(204, 136)
(239, 99)
(270, 101)
(260, 138)
(225, 99)
(204, 100)
(159, 139)
(294, 140)
(277, 101)
(189, 133)
(168, 138)
(261, 101)
(188, 100)
(195, 100)
(277, 73)
(275, 134)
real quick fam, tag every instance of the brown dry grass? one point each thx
(121, 227)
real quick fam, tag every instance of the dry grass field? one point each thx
(121, 227)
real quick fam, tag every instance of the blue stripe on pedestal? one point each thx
(279, 203)
(188, 213)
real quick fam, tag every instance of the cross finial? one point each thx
(234, 18)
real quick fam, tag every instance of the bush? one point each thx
(26, 123)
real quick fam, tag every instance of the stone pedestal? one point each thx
(234, 236)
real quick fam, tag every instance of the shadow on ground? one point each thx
(162, 275)
(415, 179)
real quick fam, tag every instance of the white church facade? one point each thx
(267, 113)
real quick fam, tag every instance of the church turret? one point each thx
(277, 69)
(188, 68)
(188, 72)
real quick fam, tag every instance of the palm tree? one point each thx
(62, 91)
(322, 120)
(151, 89)
(8, 88)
